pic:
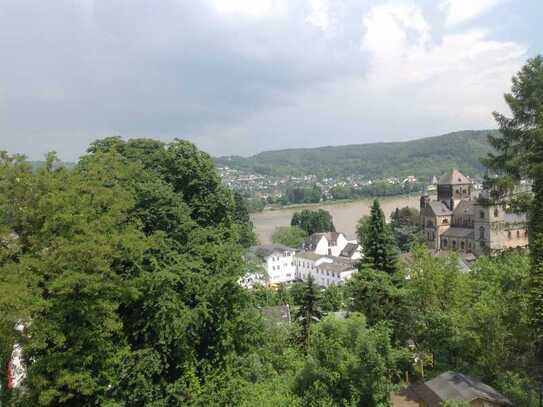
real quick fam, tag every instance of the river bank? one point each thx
(345, 213)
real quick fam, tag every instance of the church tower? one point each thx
(453, 187)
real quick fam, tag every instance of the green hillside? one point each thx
(422, 157)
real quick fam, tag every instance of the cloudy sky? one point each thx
(243, 76)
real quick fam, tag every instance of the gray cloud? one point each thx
(76, 70)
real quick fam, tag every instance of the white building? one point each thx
(277, 261)
(325, 270)
(326, 244)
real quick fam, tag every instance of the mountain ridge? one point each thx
(419, 157)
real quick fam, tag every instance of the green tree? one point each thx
(309, 312)
(519, 154)
(313, 221)
(131, 264)
(378, 245)
(291, 236)
(406, 227)
(349, 364)
(333, 298)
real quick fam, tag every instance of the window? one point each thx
(509, 235)
(526, 233)
(445, 221)
(496, 212)
(481, 233)
(481, 214)
(454, 244)
(445, 242)
(518, 234)
(462, 245)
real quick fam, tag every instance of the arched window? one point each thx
(462, 245)
(509, 234)
(454, 244)
(445, 242)
(481, 233)
(496, 212)
(481, 214)
(518, 234)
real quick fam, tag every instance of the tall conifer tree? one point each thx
(519, 154)
(379, 249)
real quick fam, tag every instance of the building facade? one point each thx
(457, 220)
(325, 270)
(326, 244)
(277, 261)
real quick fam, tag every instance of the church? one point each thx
(459, 220)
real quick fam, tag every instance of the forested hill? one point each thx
(421, 157)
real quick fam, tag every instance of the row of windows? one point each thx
(455, 244)
(277, 258)
(510, 234)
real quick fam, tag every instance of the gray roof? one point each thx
(458, 232)
(465, 207)
(349, 249)
(440, 209)
(457, 386)
(267, 250)
(279, 314)
(337, 266)
(309, 255)
(454, 177)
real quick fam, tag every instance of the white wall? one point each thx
(280, 267)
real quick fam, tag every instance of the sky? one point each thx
(244, 76)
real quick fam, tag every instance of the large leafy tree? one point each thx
(291, 236)
(349, 365)
(313, 221)
(133, 259)
(519, 154)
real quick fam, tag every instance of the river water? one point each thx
(345, 214)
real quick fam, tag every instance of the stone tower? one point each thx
(453, 187)
(488, 225)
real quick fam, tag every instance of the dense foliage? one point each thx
(291, 236)
(127, 266)
(422, 158)
(406, 227)
(376, 189)
(519, 154)
(298, 195)
(313, 221)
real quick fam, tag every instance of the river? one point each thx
(345, 214)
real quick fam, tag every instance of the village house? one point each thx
(458, 221)
(326, 244)
(449, 386)
(325, 270)
(277, 261)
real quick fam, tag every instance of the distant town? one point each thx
(263, 191)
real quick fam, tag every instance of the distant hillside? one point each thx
(422, 157)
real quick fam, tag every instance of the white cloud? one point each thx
(249, 8)
(459, 11)
(320, 14)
